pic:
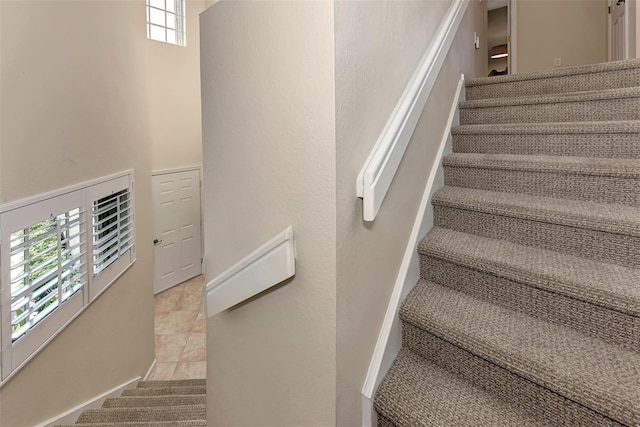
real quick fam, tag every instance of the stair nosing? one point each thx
(146, 408)
(551, 128)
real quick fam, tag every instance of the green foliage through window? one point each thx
(46, 269)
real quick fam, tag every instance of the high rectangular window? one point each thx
(166, 21)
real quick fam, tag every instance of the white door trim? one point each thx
(629, 29)
(512, 23)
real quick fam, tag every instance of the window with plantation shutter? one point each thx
(112, 231)
(112, 228)
(58, 251)
(48, 266)
(44, 273)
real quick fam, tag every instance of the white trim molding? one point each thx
(265, 267)
(72, 415)
(55, 193)
(390, 336)
(174, 170)
(376, 175)
(150, 370)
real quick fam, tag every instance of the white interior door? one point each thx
(177, 228)
(618, 30)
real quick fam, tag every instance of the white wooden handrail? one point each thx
(380, 167)
(265, 267)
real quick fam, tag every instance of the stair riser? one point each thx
(199, 382)
(592, 110)
(529, 397)
(562, 84)
(621, 145)
(164, 391)
(151, 401)
(591, 319)
(592, 188)
(116, 415)
(598, 245)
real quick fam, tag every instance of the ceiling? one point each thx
(495, 4)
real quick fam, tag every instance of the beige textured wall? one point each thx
(378, 45)
(497, 33)
(269, 161)
(74, 107)
(574, 30)
(174, 98)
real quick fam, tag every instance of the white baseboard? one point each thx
(72, 415)
(390, 337)
(150, 370)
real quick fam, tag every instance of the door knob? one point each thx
(156, 241)
(620, 2)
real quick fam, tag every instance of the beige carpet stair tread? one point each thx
(431, 396)
(161, 391)
(142, 401)
(604, 128)
(556, 98)
(608, 285)
(173, 383)
(574, 213)
(529, 283)
(546, 74)
(624, 168)
(595, 374)
(167, 413)
(175, 403)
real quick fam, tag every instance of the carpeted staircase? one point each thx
(178, 403)
(527, 312)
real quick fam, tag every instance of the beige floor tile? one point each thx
(180, 326)
(195, 350)
(163, 371)
(166, 301)
(200, 324)
(174, 322)
(169, 347)
(193, 286)
(189, 302)
(190, 370)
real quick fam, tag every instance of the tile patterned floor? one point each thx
(180, 332)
